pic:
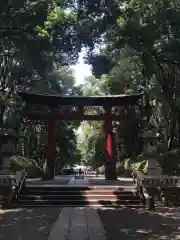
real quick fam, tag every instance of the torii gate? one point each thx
(78, 103)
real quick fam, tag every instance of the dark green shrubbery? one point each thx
(19, 163)
(170, 163)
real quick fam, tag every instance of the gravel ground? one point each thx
(131, 224)
(27, 224)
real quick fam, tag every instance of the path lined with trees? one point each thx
(131, 45)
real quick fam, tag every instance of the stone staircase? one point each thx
(67, 195)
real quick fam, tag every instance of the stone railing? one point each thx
(8, 188)
(8, 180)
(154, 189)
(147, 200)
(161, 181)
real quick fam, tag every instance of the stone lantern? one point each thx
(150, 151)
(7, 150)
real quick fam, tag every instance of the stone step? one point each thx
(77, 192)
(78, 197)
(80, 187)
(77, 202)
(132, 206)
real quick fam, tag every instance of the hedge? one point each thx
(19, 163)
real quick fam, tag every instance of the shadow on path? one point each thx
(27, 224)
(127, 224)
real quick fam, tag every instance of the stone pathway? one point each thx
(85, 223)
(139, 224)
(79, 182)
(27, 224)
(30, 223)
(78, 223)
(100, 180)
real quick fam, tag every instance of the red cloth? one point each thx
(109, 147)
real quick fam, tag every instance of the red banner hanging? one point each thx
(109, 147)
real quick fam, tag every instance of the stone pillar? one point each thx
(110, 161)
(150, 152)
(8, 138)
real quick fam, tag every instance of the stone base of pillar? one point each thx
(6, 166)
(153, 168)
(8, 139)
(110, 171)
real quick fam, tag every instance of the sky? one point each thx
(81, 70)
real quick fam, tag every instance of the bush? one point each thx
(128, 167)
(169, 163)
(140, 157)
(120, 169)
(141, 165)
(19, 163)
(127, 164)
(145, 169)
(101, 170)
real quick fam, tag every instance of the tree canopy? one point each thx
(140, 39)
(129, 44)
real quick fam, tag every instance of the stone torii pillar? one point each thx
(110, 161)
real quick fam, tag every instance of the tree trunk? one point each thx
(110, 171)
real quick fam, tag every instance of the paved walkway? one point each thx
(78, 223)
(58, 181)
(28, 223)
(100, 180)
(81, 223)
(79, 182)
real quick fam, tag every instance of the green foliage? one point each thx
(36, 41)
(139, 164)
(138, 44)
(100, 65)
(169, 163)
(19, 163)
(145, 169)
(127, 164)
(101, 170)
(120, 168)
(140, 158)
(142, 40)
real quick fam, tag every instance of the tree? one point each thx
(37, 38)
(145, 33)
